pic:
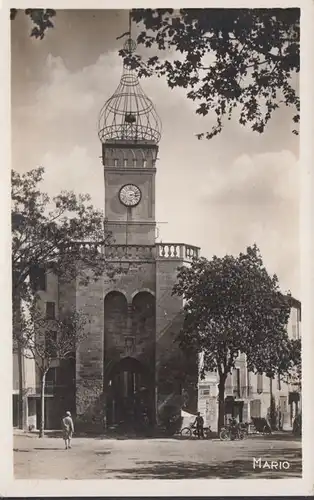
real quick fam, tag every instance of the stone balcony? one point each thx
(175, 251)
(149, 253)
(160, 251)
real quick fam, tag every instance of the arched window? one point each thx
(115, 320)
(143, 314)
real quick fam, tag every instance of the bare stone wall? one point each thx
(89, 357)
(168, 323)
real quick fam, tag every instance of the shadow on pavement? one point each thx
(282, 436)
(191, 470)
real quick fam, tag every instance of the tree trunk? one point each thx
(42, 401)
(17, 334)
(21, 386)
(221, 402)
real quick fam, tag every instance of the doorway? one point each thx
(129, 391)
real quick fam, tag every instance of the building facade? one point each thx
(60, 379)
(129, 363)
(249, 395)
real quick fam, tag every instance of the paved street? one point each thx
(99, 458)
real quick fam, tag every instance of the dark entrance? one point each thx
(129, 395)
(233, 408)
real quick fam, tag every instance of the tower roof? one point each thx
(129, 115)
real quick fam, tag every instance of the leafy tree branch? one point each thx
(253, 53)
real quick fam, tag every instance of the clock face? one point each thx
(130, 195)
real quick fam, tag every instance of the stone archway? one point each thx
(130, 391)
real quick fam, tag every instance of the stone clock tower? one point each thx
(124, 371)
(129, 129)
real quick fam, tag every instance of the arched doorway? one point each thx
(130, 391)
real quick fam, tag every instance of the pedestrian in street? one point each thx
(199, 424)
(68, 429)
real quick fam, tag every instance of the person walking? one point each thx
(68, 429)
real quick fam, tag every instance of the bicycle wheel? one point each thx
(224, 435)
(186, 432)
(266, 429)
(242, 434)
(207, 433)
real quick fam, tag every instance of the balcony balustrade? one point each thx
(178, 251)
(130, 252)
(160, 251)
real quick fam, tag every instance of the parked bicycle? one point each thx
(232, 432)
(191, 431)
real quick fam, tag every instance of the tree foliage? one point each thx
(230, 61)
(63, 234)
(234, 306)
(41, 20)
(294, 375)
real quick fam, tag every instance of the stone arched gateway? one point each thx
(129, 358)
(129, 394)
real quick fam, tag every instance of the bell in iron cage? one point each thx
(130, 118)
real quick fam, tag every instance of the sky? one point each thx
(222, 195)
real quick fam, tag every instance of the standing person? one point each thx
(233, 427)
(199, 423)
(68, 429)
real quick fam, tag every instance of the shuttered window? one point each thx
(259, 383)
(255, 408)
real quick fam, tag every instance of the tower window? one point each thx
(134, 162)
(144, 163)
(125, 162)
(115, 162)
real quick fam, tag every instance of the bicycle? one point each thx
(191, 431)
(231, 433)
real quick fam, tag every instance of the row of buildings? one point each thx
(250, 395)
